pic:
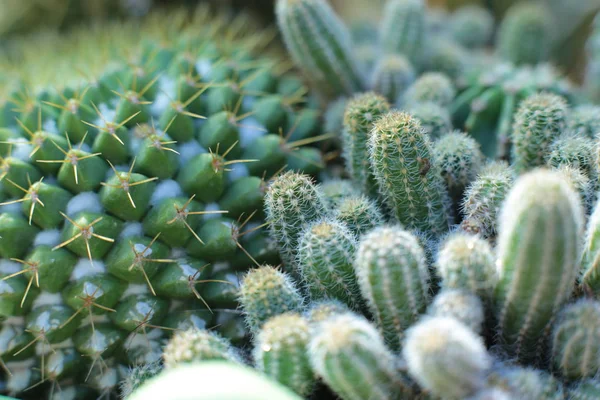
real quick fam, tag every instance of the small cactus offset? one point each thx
(446, 357)
(361, 113)
(281, 352)
(325, 257)
(197, 345)
(540, 120)
(394, 280)
(576, 340)
(408, 175)
(359, 213)
(435, 119)
(266, 292)
(319, 42)
(392, 76)
(348, 353)
(538, 250)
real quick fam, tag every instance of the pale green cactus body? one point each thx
(538, 252)
(432, 87)
(361, 113)
(460, 304)
(348, 353)
(320, 43)
(435, 119)
(195, 345)
(408, 176)
(584, 120)
(472, 26)
(359, 213)
(336, 190)
(403, 29)
(445, 357)
(527, 383)
(281, 352)
(392, 76)
(394, 279)
(324, 309)
(137, 376)
(576, 151)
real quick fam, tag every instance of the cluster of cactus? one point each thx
(432, 269)
(131, 201)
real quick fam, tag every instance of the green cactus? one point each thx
(361, 113)
(138, 376)
(583, 120)
(343, 347)
(586, 389)
(404, 165)
(527, 383)
(590, 259)
(447, 57)
(266, 292)
(525, 34)
(325, 259)
(337, 190)
(432, 87)
(403, 29)
(445, 357)
(472, 26)
(575, 151)
(461, 305)
(538, 250)
(466, 262)
(392, 75)
(359, 213)
(324, 309)
(281, 352)
(540, 120)
(389, 258)
(435, 120)
(319, 42)
(194, 345)
(483, 198)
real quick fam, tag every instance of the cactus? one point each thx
(361, 113)
(445, 357)
(336, 191)
(466, 262)
(324, 309)
(432, 87)
(448, 58)
(460, 159)
(343, 348)
(527, 383)
(325, 255)
(538, 250)
(281, 352)
(584, 121)
(575, 338)
(460, 305)
(590, 259)
(392, 76)
(292, 201)
(525, 34)
(483, 198)
(575, 151)
(403, 29)
(408, 176)
(389, 258)
(359, 213)
(320, 43)
(540, 120)
(266, 292)
(586, 389)
(435, 120)
(472, 26)
(137, 376)
(194, 345)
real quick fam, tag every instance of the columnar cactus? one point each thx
(344, 348)
(461, 305)
(432, 87)
(324, 309)
(575, 151)
(319, 42)
(525, 34)
(407, 173)
(527, 383)
(584, 120)
(590, 278)
(538, 251)
(266, 292)
(435, 119)
(446, 358)
(540, 120)
(392, 76)
(575, 340)
(281, 352)
(361, 113)
(467, 262)
(472, 26)
(291, 202)
(325, 257)
(483, 198)
(359, 213)
(197, 345)
(403, 29)
(394, 279)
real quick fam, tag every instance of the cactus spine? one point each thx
(394, 279)
(359, 213)
(319, 42)
(408, 176)
(538, 250)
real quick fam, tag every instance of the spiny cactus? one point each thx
(590, 278)
(472, 26)
(281, 352)
(325, 256)
(586, 389)
(540, 120)
(459, 159)
(324, 309)
(575, 338)
(320, 43)
(403, 29)
(525, 34)
(336, 191)
(359, 213)
(137, 376)
(538, 250)
(575, 151)
(266, 292)
(467, 262)
(461, 305)
(407, 173)
(389, 258)
(343, 348)
(392, 76)
(430, 87)
(291, 202)
(196, 345)
(526, 383)
(584, 120)
(483, 198)
(361, 113)
(435, 119)
(446, 358)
